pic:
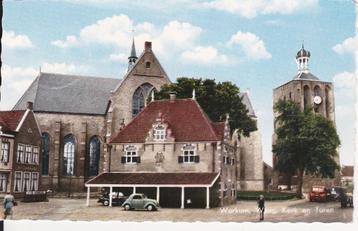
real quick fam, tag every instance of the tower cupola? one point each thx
(302, 59)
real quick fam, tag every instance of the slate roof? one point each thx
(305, 76)
(9, 120)
(184, 117)
(246, 101)
(68, 94)
(146, 178)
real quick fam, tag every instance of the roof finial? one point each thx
(194, 97)
(303, 44)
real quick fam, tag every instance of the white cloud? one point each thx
(70, 41)
(349, 45)
(252, 46)
(344, 80)
(65, 68)
(12, 40)
(253, 8)
(15, 80)
(119, 57)
(204, 55)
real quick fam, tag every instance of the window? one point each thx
(20, 153)
(69, 155)
(130, 155)
(34, 181)
(233, 190)
(147, 64)
(93, 156)
(26, 182)
(45, 153)
(188, 154)
(159, 133)
(35, 155)
(17, 182)
(139, 97)
(28, 154)
(5, 147)
(3, 182)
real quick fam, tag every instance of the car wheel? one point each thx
(150, 207)
(127, 207)
(106, 203)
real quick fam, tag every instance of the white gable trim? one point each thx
(22, 120)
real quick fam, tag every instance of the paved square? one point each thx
(278, 211)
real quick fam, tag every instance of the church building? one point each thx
(79, 116)
(306, 90)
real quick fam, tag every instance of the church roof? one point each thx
(68, 94)
(184, 117)
(305, 76)
(9, 120)
(246, 101)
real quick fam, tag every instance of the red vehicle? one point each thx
(319, 193)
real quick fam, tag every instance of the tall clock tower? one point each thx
(307, 90)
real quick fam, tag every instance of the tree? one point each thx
(216, 99)
(306, 143)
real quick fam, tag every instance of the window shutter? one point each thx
(138, 159)
(123, 160)
(196, 159)
(180, 159)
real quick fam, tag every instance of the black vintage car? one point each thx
(117, 198)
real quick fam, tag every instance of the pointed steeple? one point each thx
(133, 56)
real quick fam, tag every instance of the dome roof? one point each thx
(303, 53)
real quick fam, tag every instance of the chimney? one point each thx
(30, 105)
(147, 46)
(172, 95)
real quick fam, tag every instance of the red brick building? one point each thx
(20, 142)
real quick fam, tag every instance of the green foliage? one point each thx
(216, 99)
(306, 142)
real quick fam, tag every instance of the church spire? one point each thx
(133, 56)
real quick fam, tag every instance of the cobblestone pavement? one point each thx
(283, 211)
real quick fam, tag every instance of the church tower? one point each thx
(133, 56)
(306, 90)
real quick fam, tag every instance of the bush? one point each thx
(269, 196)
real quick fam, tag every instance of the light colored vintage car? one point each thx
(140, 201)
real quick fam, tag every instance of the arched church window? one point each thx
(45, 153)
(306, 96)
(139, 97)
(69, 155)
(93, 156)
(327, 98)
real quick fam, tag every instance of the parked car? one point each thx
(319, 193)
(346, 200)
(117, 198)
(140, 201)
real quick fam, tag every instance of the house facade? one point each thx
(20, 155)
(172, 139)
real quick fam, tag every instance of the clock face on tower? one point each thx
(317, 99)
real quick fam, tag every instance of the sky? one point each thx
(251, 43)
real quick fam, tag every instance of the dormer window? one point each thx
(159, 133)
